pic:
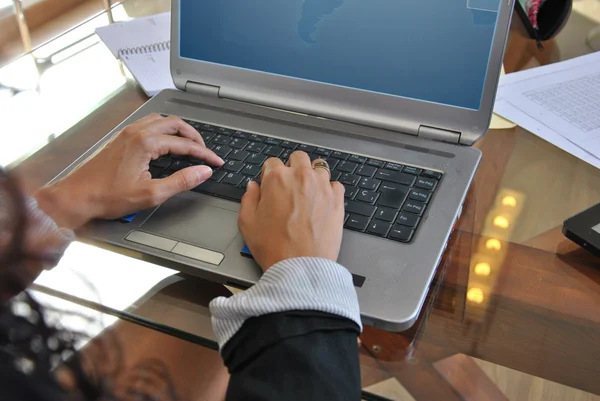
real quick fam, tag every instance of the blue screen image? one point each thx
(431, 50)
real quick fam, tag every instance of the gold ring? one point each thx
(323, 165)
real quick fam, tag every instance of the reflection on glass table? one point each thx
(47, 83)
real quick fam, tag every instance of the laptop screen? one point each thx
(431, 50)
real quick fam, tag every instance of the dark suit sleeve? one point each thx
(295, 355)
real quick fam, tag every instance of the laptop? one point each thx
(392, 94)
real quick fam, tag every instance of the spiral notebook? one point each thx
(143, 44)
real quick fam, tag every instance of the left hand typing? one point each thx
(116, 181)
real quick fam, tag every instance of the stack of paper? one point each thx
(558, 102)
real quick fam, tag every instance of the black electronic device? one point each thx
(584, 229)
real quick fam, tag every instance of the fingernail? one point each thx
(204, 173)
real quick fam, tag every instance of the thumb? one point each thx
(250, 201)
(181, 181)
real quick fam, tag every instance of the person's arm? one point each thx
(293, 336)
(113, 183)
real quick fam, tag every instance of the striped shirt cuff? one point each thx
(293, 284)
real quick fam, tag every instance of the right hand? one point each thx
(295, 212)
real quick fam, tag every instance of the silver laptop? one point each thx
(392, 93)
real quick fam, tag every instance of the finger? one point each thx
(338, 193)
(162, 144)
(174, 126)
(322, 172)
(184, 180)
(299, 159)
(249, 204)
(270, 165)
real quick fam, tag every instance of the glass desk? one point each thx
(514, 310)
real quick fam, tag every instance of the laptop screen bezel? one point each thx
(379, 110)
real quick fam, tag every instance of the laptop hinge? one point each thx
(438, 134)
(202, 89)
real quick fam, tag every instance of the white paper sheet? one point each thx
(559, 102)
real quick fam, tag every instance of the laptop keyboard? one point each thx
(382, 198)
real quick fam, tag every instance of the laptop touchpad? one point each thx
(196, 223)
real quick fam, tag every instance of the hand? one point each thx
(295, 212)
(116, 180)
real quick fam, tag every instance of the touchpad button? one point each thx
(193, 222)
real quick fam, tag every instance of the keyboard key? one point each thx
(245, 181)
(196, 162)
(289, 145)
(414, 207)
(306, 148)
(323, 152)
(207, 136)
(375, 163)
(432, 174)
(251, 170)
(412, 170)
(179, 165)
(357, 159)
(233, 179)
(256, 138)
(394, 176)
(313, 157)
(420, 195)
(273, 141)
(393, 166)
(349, 179)
(350, 192)
(366, 171)
(207, 127)
(238, 143)
(221, 140)
(356, 222)
(273, 151)
(369, 183)
(359, 208)
(385, 214)
(332, 162)
(240, 135)
(401, 233)
(221, 190)
(225, 131)
(256, 158)
(233, 166)
(340, 155)
(222, 151)
(346, 167)
(392, 195)
(407, 219)
(379, 228)
(426, 183)
(156, 172)
(161, 163)
(218, 175)
(256, 148)
(335, 175)
(239, 155)
(367, 196)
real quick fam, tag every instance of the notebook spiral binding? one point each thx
(155, 47)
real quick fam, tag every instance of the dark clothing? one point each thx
(301, 355)
(296, 355)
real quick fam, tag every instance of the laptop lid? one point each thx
(426, 67)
